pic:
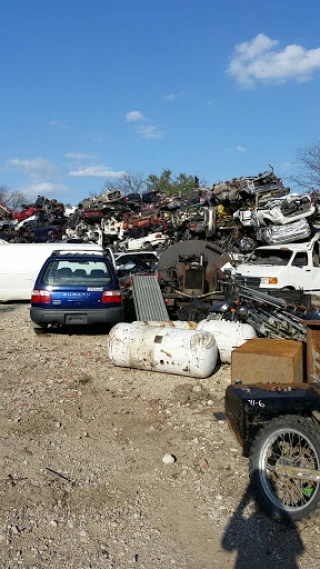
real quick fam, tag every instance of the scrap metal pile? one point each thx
(271, 316)
(237, 215)
(41, 221)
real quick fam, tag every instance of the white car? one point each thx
(281, 234)
(284, 210)
(147, 243)
(280, 211)
(124, 258)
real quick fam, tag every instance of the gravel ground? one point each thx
(83, 484)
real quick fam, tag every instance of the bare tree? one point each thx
(17, 199)
(128, 184)
(12, 199)
(4, 194)
(308, 176)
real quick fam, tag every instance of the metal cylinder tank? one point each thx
(181, 324)
(192, 353)
(228, 335)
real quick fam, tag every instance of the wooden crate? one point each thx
(262, 360)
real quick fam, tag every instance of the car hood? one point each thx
(257, 270)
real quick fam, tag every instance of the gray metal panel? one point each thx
(147, 298)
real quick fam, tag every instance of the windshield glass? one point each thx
(270, 257)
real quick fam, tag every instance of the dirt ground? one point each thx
(83, 484)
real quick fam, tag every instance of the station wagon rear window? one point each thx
(88, 273)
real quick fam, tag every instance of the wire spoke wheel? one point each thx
(287, 441)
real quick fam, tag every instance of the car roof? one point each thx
(135, 253)
(67, 255)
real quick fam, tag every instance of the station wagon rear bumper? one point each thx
(77, 317)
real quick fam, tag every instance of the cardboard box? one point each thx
(262, 360)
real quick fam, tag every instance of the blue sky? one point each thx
(93, 88)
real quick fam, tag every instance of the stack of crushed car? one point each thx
(237, 215)
(41, 221)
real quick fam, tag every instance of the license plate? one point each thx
(76, 319)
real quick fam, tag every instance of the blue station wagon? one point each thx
(76, 289)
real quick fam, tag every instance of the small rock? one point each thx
(197, 388)
(168, 459)
(15, 530)
(203, 463)
(54, 523)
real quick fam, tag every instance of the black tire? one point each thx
(294, 441)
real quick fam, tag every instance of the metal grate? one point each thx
(147, 298)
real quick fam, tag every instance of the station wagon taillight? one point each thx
(40, 296)
(111, 296)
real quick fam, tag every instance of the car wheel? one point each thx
(147, 246)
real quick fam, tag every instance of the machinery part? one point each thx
(270, 316)
(147, 298)
(281, 455)
(194, 266)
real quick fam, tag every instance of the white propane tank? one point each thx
(181, 324)
(169, 350)
(228, 335)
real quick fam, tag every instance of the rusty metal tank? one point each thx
(189, 353)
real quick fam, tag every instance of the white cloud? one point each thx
(260, 60)
(45, 188)
(144, 128)
(97, 171)
(134, 116)
(173, 96)
(38, 168)
(58, 124)
(76, 155)
(149, 131)
(241, 148)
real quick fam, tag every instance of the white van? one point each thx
(20, 264)
(292, 266)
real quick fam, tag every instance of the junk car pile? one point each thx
(237, 215)
(194, 236)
